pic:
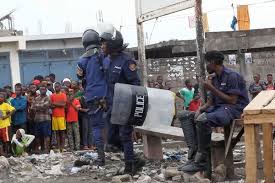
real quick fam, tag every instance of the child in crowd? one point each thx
(42, 120)
(30, 113)
(6, 111)
(73, 106)
(195, 104)
(67, 82)
(19, 118)
(59, 101)
(86, 126)
(20, 141)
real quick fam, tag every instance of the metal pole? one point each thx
(141, 46)
(200, 43)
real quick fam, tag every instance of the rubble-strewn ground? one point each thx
(57, 168)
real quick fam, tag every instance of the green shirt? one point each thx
(79, 94)
(187, 95)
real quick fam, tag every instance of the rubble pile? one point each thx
(68, 165)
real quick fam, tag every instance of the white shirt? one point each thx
(48, 93)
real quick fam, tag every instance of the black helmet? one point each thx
(90, 39)
(114, 40)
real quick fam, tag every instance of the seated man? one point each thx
(20, 141)
(227, 98)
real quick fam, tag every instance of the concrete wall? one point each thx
(174, 59)
(54, 44)
(12, 45)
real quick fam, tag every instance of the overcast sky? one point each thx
(53, 15)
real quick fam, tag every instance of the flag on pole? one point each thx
(243, 17)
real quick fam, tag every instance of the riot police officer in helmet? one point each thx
(90, 69)
(120, 68)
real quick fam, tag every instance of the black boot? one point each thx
(190, 135)
(113, 148)
(204, 143)
(133, 166)
(101, 157)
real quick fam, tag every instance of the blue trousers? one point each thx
(87, 130)
(98, 123)
(124, 132)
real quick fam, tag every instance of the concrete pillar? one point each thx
(12, 44)
(14, 66)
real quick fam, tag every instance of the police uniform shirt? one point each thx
(92, 69)
(120, 69)
(230, 83)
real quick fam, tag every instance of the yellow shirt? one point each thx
(4, 108)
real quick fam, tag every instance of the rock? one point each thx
(4, 163)
(13, 161)
(144, 179)
(55, 170)
(171, 172)
(160, 177)
(75, 170)
(27, 167)
(115, 158)
(122, 178)
(197, 177)
(4, 167)
(121, 170)
(153, 172)
(176, 178)
(33, 161)
(220, 173)
(52, 154)
(136, 176)
(112, 171)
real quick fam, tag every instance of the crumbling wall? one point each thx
(178, 69)
(175, 69)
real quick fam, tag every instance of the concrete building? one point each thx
(23, 57)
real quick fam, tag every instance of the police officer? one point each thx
(228, 97)
(120, 68)
(90, 70)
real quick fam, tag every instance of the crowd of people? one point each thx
(42, 115)
(258, 85)
(44, 110)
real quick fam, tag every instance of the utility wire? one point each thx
(152, 30)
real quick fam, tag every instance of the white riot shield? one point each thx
(137, 105)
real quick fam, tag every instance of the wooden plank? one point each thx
(268, 152)
(162, 11)
(259, 118)
(162, 131)
(250, 154)
(228, 144)
(229, 163)
(270, 108)
(259, 102)
(237, 138)
(258, 137)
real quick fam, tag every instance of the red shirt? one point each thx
(58, 111)
(72, 114)
(270, 87)
(194, 105)
(13, 95)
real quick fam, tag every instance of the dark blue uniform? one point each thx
(95, 89)
(120, 69)
(230, 83)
